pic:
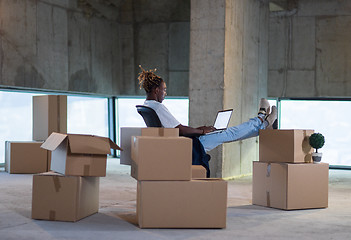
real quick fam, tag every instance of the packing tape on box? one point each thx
(52, 215)
(161, 132)
(268, 170)
(134, 169)
(268, 199)
(57, 183)
(86, 170)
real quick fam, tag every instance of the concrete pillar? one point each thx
(228, 69)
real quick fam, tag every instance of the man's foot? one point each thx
(264, 107)
(272, 117)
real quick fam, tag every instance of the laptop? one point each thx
(222, 120)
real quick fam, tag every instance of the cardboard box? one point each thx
(161, 158)
(79, 155)
(198, 171)
(285, 146)
(64, 198)
(182, 204)
(126, 136)
(128, 132)
(49, 115)
(160, 132)
(25, 157)
(290, 186)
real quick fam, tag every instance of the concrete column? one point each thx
(228, 69)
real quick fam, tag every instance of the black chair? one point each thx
(149, 115)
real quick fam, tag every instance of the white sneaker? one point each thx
(272, 117)
(264, 107)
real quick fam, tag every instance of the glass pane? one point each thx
(331, 118)
(127, 113)
(179, 109)
(87, 115)
(15, 118)
(272, 102)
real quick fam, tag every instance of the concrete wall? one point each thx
(52, 45)
(61, 45)
(156, 34)
(228, 69)
(310, 51)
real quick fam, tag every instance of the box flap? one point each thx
(89, 144)
(114, 145)
(53, 141)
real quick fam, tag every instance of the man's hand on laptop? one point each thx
(207, 129)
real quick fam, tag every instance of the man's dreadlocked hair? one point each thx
(149, 80)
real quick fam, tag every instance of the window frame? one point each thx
(113, 112)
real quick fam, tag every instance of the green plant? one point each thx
(316, 141)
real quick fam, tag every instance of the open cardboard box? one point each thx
(79, 155)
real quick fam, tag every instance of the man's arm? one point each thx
(189, 131)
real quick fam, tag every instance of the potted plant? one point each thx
(316, 141)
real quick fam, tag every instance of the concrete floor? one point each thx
(116, 217)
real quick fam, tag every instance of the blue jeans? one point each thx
(245, 130)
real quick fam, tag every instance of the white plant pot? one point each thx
(317, 157)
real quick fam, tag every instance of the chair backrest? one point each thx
(149, 115)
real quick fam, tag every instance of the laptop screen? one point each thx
(222, 119)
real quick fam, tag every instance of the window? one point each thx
(329, 117)
(87, 115)
(273, 102)
(15, 118)
(127, 116)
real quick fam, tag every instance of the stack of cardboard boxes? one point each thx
(197, 171)
(49, 115)
(169, 194)
(71, 191)
(285, 176)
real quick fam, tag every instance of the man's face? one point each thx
(161, 92)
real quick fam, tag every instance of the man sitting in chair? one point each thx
(155, 89)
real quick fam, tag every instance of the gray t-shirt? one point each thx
(166, 118)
